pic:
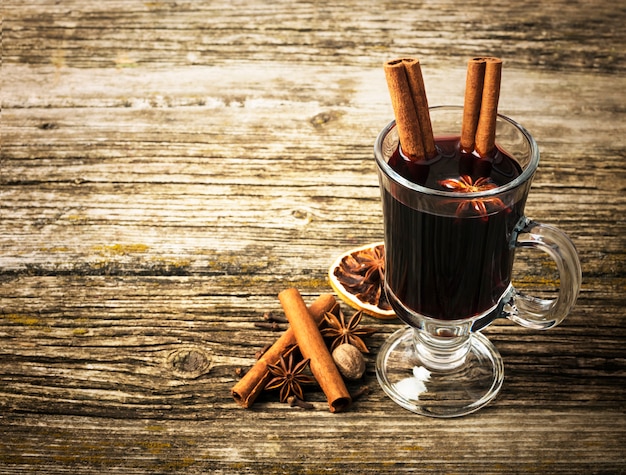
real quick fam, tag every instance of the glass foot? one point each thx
(460, 390)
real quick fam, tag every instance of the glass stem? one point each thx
(441, 353)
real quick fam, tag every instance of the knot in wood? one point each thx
(322, 118)
(189, 362)
(302, 215)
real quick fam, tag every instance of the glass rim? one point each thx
(526, 174)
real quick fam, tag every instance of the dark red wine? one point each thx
(454, 266)
(451, 162)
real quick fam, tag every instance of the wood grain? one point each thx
(167, 168)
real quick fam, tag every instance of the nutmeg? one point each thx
(349, 361)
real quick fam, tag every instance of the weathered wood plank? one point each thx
(167, 168)
(561, 35)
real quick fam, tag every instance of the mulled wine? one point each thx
(451, 265)
(452, 223)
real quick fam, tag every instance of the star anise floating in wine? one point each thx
(480, 206)
(289, 377)
(341, 332)
(362, 273)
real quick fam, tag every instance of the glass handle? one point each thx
(538, 313)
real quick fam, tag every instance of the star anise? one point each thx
(465, 184)
(342, 332)
(362, 273)
(288, 377)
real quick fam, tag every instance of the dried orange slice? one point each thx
(358, 278)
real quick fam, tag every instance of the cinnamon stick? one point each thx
(420, 102)
(486, 132)
(471, 107)
(410, 106)
(312, 346)
(252, 384)
(482, 93)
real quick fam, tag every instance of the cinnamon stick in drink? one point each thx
(471, 107)
(312, 346)
(420, 102)
(486, 131)
(252, 384)
(482, 93)
(410, 106)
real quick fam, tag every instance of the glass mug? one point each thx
(448, 264)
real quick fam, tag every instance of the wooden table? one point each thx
(167, 168)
